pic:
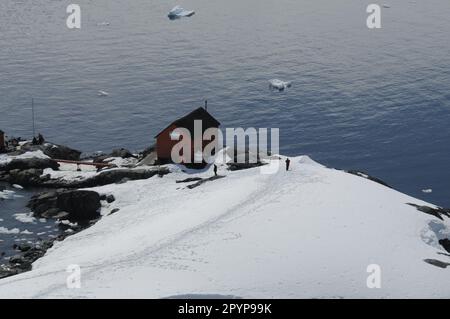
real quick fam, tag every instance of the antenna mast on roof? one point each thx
(32, 113)
(206, 105)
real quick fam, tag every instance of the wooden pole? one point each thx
(32, 113)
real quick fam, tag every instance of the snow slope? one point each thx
(307, 233)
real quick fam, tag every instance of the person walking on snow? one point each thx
(288, 161)
(215, 170)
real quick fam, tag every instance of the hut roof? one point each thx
(187, 121)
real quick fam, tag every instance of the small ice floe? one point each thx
(68, 223)
(7, 194)
(17, 186)
(279, 85)
(103, 24)
(26, 232)
(178, 12)
(25, 217)
(6, 231)
(103, 93)
(427, 191)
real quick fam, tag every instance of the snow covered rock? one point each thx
(178, 12)
(52, 150)
(121, 152)
(29, 163)
(279, 85)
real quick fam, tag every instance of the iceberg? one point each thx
(178, 12)
(279, 85)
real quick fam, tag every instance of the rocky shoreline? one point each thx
(72, 208)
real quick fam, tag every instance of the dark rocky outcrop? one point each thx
(367, 176)
(190, 179)
(147, 151)
(437, 212)
(27, 177)
(54, 151)
(23, 261)
(7, 271)
(108, 177)
(204, 180)
(61, 152)
(241, 166)
(121, 152)
(115, 210)
(29, 163)
(437, 263)
(75, 205)
(445, 243)
(34, 177)
(108, 198)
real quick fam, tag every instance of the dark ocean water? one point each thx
(17, 231)
(374, 100)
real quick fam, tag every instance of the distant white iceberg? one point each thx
(178, 12)
(279, 85)
(103, 93)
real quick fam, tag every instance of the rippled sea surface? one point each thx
(374, 100)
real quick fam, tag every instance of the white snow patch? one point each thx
(6, 158)
(310, 232)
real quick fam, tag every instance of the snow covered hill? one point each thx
(310, 232)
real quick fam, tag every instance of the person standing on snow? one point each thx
(288, 161)
(215, 170)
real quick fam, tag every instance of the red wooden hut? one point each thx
(164, 142)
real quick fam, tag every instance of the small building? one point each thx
(165, 143)
(2, 141)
